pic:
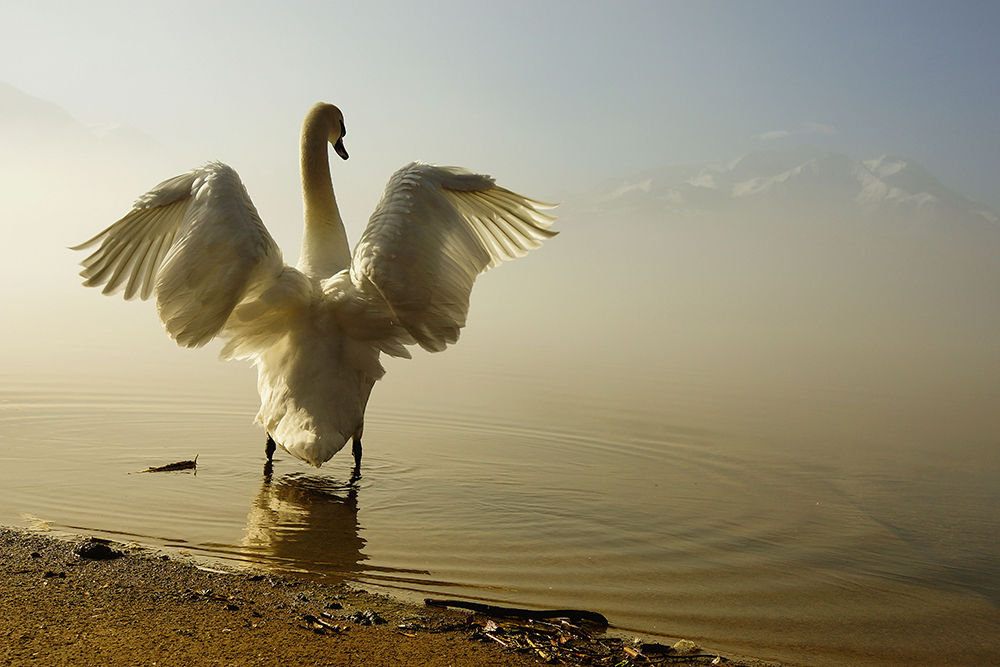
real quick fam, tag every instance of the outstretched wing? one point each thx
(434, 231)
(197, 242)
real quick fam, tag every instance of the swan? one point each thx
(315, 331)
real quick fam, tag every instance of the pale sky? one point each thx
(549, 97)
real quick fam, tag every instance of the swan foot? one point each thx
(270, 447)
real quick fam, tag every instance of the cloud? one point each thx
(777, 134)
(805, 128)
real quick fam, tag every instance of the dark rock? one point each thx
(367, 617)
(96, 549)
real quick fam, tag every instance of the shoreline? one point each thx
(73, 601)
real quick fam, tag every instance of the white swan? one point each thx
(315, 331)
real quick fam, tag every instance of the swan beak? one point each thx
(339, 147)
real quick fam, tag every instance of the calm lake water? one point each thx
(818, 525)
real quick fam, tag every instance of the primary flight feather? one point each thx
(315, 331)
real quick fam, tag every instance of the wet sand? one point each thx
(64, 602)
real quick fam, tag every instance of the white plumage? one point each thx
(315, 332)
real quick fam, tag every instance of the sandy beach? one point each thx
(78, 601)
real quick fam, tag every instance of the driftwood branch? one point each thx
(170, 467)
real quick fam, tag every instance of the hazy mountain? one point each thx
(61, 181)
(772, 261)
(126, 136)
(19, 110)
(801, 178)
(30, 125)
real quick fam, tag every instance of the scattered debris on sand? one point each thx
(561, 642)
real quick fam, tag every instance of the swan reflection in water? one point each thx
(302, 522)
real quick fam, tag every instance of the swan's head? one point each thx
(328, 117)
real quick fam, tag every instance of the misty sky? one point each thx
(550, 97)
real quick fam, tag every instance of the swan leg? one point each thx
(270, 447)
(356, 450)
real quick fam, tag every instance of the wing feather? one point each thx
(434, 231)
(197, 242)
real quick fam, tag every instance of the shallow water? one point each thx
(679, 507)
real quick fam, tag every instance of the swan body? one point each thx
(315, 331)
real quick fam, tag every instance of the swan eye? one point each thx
(343, 129)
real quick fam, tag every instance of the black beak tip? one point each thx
(341, 151)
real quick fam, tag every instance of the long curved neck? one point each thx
(325, 250)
